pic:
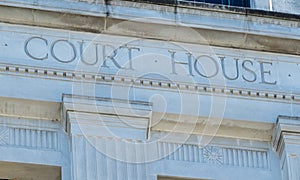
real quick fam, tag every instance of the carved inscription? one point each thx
(112, 57)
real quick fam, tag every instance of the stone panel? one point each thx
(216, 155)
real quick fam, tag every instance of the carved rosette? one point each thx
(213, 155)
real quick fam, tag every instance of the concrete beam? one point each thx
(154, 30)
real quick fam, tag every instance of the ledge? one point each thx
(233, 9)
(30, 109)
(222, 36)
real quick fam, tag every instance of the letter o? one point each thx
(61, 60)
(205, 75)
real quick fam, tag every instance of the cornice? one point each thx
(155, 84)
(287, 131)
(253, 32)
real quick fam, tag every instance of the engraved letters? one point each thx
(108, 56)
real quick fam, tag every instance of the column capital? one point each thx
(286, 142)
(286, 126)
(107, 117)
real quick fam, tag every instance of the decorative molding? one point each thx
(107, 117)
(4, 136)
(93, 157)
(213, 155)
(64, 75)
(28, 138)
(286, 127)
(247, 158)
(40, 139)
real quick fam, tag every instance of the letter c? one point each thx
(30, 55)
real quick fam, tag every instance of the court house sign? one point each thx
(108, 55)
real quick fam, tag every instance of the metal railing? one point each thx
(239, 3)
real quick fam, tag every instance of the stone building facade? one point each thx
(149, 89)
